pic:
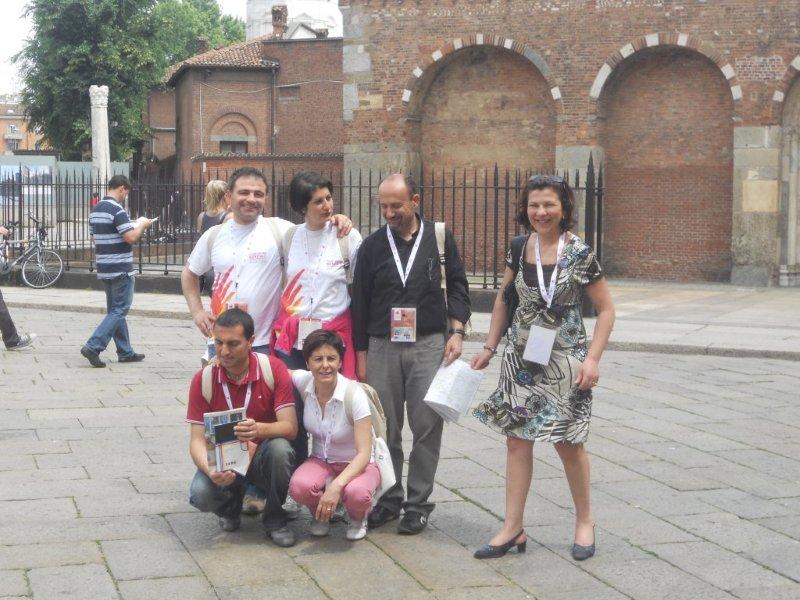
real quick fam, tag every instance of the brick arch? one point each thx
(239, 118)
(652, 40)
(416, 83)
(782, 88)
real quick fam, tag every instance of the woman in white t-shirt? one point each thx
(318, 265)
(340, 467)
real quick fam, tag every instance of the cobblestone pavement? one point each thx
(696, 489)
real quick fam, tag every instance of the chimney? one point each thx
(321, 33)
(280, 16)
(202, 45)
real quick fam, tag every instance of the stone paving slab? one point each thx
(695, 470)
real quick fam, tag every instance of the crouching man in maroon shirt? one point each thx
(238, 380)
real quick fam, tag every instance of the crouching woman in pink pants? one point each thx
(340, 466)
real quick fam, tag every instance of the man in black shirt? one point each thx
(400, 323)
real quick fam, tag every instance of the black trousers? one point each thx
(7, 328)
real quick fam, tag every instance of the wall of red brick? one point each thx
(668, 195)
(161, 116)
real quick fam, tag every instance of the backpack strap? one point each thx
(272, 223)
(439, 229)
(206, 382)
(517, 246)
(349, 394)
(266, 370)
(213, 232)
(344, 249)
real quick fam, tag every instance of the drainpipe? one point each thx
(794, 188)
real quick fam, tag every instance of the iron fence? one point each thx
(479, 205)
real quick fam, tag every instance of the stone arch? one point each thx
(783, 86)
(668, 204)
(426, 69)
(653, 40)
(234, 127)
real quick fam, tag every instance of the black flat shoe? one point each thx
(380, 515)
(489, 551)
(412, 523)
(135, 357)
(583, 552)
(93, 357)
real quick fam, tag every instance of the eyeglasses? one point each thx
(546, 180)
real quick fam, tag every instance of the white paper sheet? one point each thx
(453, 389)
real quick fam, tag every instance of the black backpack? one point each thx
(510, 295)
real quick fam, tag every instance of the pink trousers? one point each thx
(308, 484)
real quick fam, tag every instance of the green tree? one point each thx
(182, 22)
(125, 44)
(77, 43)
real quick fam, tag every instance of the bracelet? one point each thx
(460, 332)
(490, 349)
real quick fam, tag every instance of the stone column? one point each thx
(101, 154)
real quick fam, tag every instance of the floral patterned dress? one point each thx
(540, 402)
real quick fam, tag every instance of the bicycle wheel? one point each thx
(42, 269)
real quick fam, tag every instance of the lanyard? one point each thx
(412, 256)
(550, 292)
(320, 255)
(238, 261)
(227, 393)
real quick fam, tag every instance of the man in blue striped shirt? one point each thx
(114, 232)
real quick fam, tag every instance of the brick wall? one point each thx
(161, 120)
(668, 194)
(413, 94)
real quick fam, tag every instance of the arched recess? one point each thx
(487, 103)
(234, 127)
(790, 187)
(782, 87)
(666, 123)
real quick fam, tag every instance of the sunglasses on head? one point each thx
(546, 180)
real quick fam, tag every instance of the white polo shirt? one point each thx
(249, 257)
(332, 437)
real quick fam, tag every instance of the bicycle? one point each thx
(40, 266)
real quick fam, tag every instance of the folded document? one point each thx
(453, 390)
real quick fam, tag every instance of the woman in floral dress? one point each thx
(549, 400)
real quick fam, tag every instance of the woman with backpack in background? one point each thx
(318, 267)
(215, 213)
(547, 375)
(338, 415)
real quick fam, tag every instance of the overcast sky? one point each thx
(16, 29)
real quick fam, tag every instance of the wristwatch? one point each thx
(460, 332)
(490, 349)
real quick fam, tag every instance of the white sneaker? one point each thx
(292, 508)
(319, 528)
(357, 530)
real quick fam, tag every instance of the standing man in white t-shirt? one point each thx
(245, 254)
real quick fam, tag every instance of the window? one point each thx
(13, 128)
(233, 147)
(13, 144)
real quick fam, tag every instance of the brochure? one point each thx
(225, 452)
(453, 389)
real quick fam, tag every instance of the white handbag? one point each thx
(383, 460)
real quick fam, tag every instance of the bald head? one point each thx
(399, 200)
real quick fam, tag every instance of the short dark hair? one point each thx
(246, 172)
(118, 181)
(236, 316)
(565, 194)
(408, 180)
(303, 185)
(322, 337)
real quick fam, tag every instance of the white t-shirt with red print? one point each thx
(248, 270)
(316, 277)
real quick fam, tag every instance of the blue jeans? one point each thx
(270, 470)
(119, 297)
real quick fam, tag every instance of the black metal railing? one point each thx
(479, 205)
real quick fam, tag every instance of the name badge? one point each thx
(306, 327)
(403, 324)
(540, 344)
